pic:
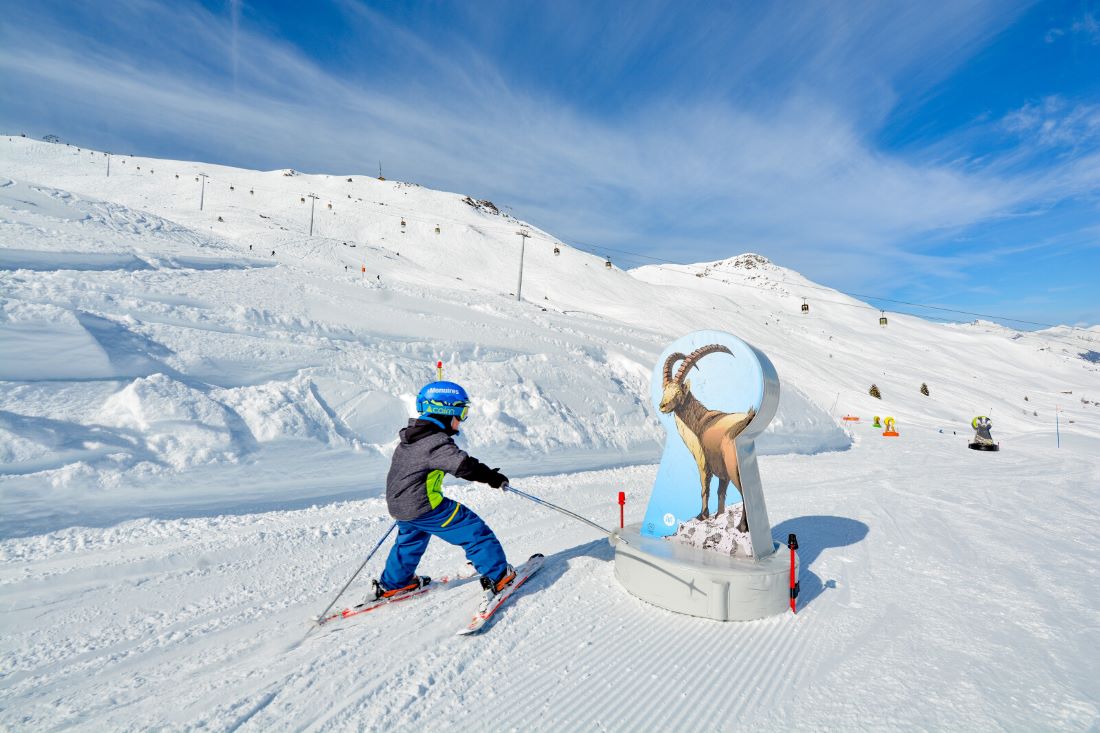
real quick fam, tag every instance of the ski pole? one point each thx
(356, 574)
(555, 507)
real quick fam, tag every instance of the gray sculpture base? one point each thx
(701, 582)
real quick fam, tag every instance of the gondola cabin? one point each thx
(882, 319)
(557, 250)
(805, 306)
(607, 264)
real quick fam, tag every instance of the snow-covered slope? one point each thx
(186, 386)
(156, 353)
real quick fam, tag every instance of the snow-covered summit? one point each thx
(749, 262)
(749, 270)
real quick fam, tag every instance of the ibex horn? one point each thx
(696, 355)
(672, 359)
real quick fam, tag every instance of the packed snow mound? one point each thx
(177, 424)
(44, 341)
(49, 342)
(800, 426)
(288, 410)
(532, 402)
(16, 444)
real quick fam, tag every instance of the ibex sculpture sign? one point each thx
(714, 393)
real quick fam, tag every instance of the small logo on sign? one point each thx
(670, 520)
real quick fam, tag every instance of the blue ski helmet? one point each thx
(443, 398)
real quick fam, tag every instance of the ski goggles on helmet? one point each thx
(459, 409)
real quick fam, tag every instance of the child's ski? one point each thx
(523, 572)
(368, 606)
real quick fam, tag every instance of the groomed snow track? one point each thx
(909, 594)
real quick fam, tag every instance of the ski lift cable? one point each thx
(1082, 341)
(862, 306)
(855, 295)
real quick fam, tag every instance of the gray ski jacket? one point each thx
(414, 485)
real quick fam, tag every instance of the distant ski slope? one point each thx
(156, 353)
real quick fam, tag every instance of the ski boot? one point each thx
(491, 588)
(380, 593)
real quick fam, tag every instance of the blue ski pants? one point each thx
(450, 522)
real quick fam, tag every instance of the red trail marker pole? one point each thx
(622, 504)
(792, 542)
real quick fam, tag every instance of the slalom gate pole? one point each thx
(321, 616)
(555, 507)
(792, 542)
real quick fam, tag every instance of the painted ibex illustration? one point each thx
(708, 434)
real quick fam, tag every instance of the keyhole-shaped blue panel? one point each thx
(714, 393)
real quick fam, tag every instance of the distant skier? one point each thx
(414, 496)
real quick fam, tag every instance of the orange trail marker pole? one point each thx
(792, 542)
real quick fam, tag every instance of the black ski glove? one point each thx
(496, 479)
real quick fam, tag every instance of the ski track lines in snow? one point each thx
(927, 610)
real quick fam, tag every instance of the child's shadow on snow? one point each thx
(557, 564)
(816, 533)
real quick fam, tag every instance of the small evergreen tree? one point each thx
(924, 389)
(874, 392)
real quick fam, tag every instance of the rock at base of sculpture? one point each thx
(719, 534)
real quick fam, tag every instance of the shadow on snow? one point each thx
(815, 534)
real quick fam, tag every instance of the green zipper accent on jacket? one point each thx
(435, 488)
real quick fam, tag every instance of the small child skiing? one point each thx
(414, 496)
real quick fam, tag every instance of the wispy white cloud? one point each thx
(1086, 27)
(1054, 122)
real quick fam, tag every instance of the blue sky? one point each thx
(940, 153)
